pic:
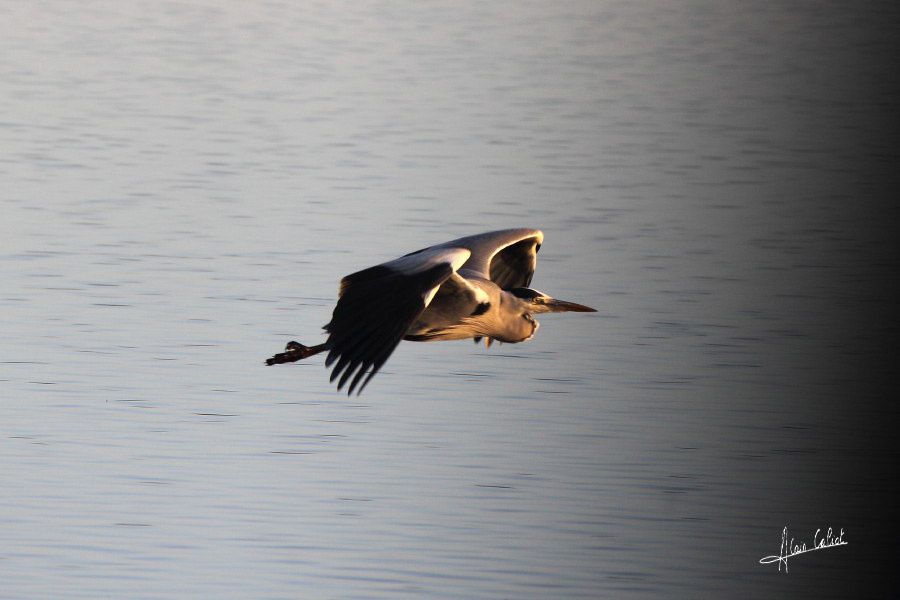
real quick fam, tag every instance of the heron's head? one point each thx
(538, 302)
(518, 307)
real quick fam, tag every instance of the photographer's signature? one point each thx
(821, 541)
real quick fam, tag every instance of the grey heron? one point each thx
(472, 287)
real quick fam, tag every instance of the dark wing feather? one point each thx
(513, 266)
(374, 312)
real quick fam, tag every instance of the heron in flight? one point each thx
(473, 287)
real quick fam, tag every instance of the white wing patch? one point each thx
(430, 295)
(481, 296)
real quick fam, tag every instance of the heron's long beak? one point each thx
(548, 304)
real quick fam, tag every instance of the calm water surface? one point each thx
(185, 183)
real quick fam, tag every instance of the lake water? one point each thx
(185, 183)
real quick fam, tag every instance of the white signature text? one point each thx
(789, 548)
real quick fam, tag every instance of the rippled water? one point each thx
(185, 183)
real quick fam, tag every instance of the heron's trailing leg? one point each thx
(293, 352)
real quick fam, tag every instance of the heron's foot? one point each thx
(293, 352)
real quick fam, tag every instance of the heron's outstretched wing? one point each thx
(376, 307)
(507, 257)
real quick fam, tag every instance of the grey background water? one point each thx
(183, 184)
